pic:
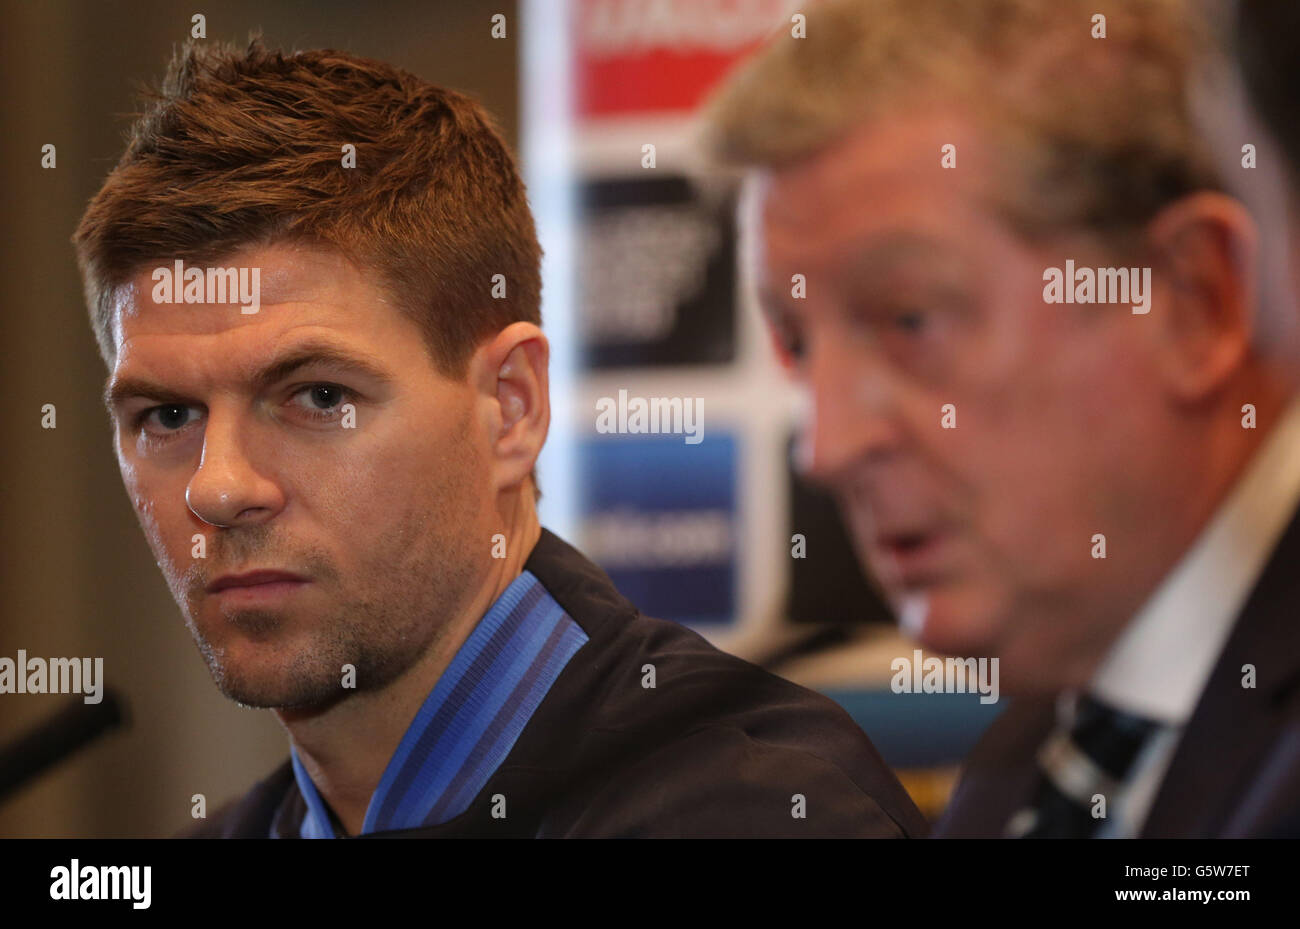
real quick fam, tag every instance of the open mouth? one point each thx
(906, 544)
(917, 557)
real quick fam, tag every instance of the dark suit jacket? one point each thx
(718, 748)
(1236, 770)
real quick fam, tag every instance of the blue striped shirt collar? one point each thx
(470, 720)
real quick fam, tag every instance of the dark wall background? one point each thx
(76, 577)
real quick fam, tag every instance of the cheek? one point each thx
(1035, 500)
(168, 526)
(1021, 468)
(156, 492)
(408, 469)
(151, 502)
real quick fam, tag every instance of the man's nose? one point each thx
(850, 415)
(228, 489)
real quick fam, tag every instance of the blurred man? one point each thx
(1063, 426)
(315, 281)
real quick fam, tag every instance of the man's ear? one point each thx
(509, 374)
(1204, 251)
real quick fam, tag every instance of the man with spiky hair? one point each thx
(334, 472)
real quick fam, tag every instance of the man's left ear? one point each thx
(509, 375)
(1204, 251)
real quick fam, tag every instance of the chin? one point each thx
(957, 619)
(270, 671)
(263, 687)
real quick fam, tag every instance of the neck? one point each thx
(346, 746)
(1189, 492)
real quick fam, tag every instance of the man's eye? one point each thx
(910, 321)
(794, 343)
(321, 400)
(169, 417)
(788, 338)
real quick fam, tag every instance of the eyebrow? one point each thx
(875, 262)
(306, 354)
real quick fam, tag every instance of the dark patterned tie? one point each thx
(1093, 757)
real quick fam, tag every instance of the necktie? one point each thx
(1092, 757)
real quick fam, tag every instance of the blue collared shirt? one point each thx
(470, 720)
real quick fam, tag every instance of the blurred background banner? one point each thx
(722, 534)
(658, 316)
(644, 58)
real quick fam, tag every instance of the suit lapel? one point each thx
(1001, 773)
(1233, 727)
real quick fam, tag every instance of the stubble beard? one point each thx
(381, 621)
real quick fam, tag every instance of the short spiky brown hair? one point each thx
(244, 147)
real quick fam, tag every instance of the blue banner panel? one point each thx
(659, 515)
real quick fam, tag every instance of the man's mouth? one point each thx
(257, 588)
(255, 578)
(917, 557)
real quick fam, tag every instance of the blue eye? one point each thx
(169, 416)
(322, 401)
(325, 396)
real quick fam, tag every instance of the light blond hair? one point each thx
(1098, 130)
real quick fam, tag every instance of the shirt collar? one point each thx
(470, 720)
(1161, 661)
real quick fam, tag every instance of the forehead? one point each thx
(305, 294)
(293, 278)
(881, 185)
